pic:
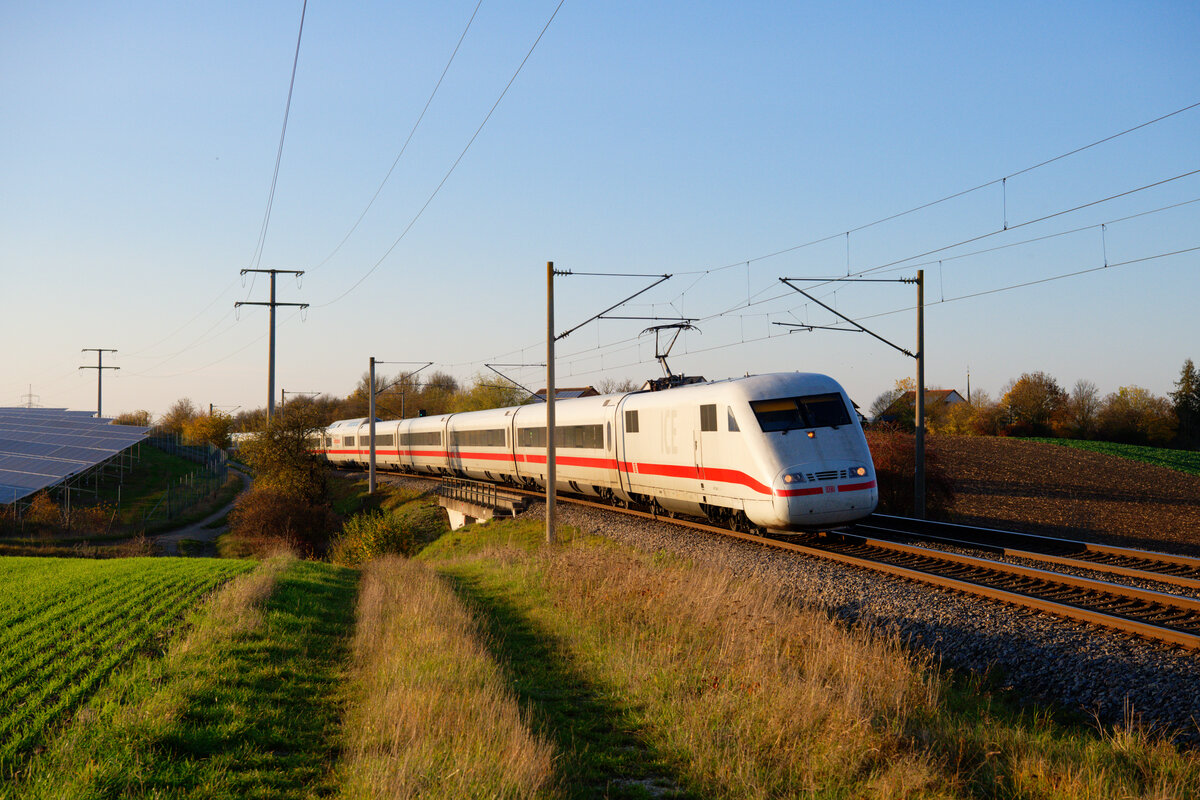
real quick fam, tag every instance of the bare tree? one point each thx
(1082, 408)
(180, 412)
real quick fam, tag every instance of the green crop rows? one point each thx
(65, 624)
(1182, 460)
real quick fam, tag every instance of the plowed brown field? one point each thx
(1061, 491)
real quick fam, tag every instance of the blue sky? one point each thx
(140, 138)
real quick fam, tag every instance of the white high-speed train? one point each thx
(783, 450)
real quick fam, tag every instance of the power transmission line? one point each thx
(99, 351)
(256, 259)
(453, 166)
(404, 147)
(272, 304)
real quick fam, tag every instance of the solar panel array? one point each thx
(42, 447)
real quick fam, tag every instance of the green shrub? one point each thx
(370, 535)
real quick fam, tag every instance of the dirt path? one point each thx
(169, 542)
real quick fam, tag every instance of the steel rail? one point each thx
(1151, 574)
(1169, 568)
(1121, 600)
(1052, 541)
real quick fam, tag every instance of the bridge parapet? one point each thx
(469, 501)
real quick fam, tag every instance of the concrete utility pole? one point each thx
(371, 414)
(99, 351)
(551, 511)
(919, 478)
(271, 346)
(919, 399)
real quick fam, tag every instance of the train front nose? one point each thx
(825, 494)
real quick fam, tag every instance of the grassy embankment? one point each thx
(648, 673)
(494, 665)
(1182, 460)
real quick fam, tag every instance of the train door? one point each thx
(618, 447)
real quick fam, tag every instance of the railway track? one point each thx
(1159, 616)
(1168, 568)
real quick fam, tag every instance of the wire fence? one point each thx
(188, 490)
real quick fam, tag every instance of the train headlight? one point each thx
(859, 471)
(793, 477)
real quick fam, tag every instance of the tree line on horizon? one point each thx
(1036, 405)
(1032, 405)
(395, 398)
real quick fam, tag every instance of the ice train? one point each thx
(783, 450)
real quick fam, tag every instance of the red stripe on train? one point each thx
(681, 471)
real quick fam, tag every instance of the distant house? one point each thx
(904, 407)
(567, 393)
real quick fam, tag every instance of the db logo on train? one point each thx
(830, 489)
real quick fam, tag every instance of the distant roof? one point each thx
(908, 400)
(938, 395)
(42, 447)
(567, 393)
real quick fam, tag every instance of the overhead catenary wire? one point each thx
(568, 362)
(630, 343)
(703, 273)
(904, 263)
(948, 197)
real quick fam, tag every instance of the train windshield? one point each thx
(812, 411)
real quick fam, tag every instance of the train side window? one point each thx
(349, 441)
(486, 438)
(631, 421)
(608, 435)
(531, 437)
(708, 417)
(733, 426)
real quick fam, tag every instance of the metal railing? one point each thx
(477, 492)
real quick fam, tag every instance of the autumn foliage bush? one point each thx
(895, 455)
(43, 513)
(287, 505)
(265, 519)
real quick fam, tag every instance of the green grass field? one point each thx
(66, 624)
(1182, 460)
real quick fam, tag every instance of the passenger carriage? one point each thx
(784, 450)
